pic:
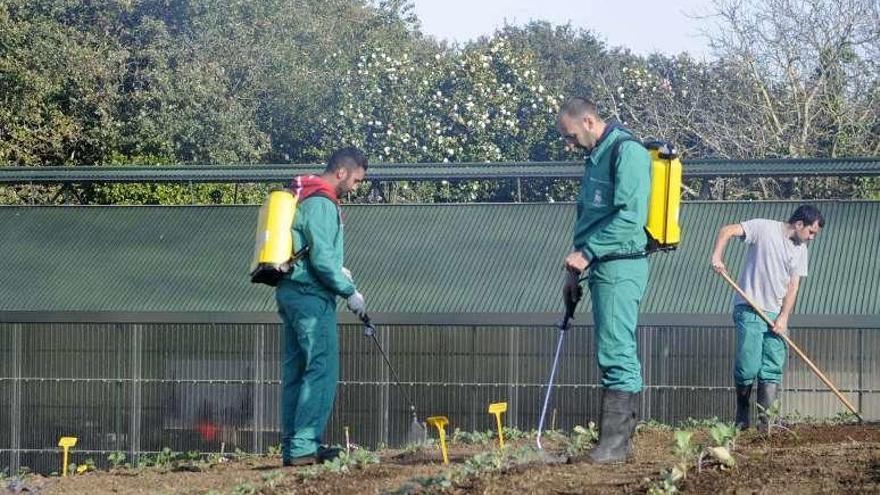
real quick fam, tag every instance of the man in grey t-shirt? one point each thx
(776, 260)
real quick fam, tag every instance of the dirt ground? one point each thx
(807, 459)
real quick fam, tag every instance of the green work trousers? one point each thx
(760, 353)
(616, 289)
(309, 368)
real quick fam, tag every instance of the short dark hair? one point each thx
(349, 158)
(578, 107)
(808, 214)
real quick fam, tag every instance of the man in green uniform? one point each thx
(612, 211)
(307, 305)
(776, 260)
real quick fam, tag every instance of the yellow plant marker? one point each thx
(497, 409)
(440, 423)
(66, 443)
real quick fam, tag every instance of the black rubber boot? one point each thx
(328, 453)
(743, 392)
(617, 425)
(766, 397)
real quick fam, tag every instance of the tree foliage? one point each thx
(153, 82)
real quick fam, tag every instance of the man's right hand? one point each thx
(357, 304)
(718, 265)
(571, 288)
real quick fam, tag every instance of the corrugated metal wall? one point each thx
(138, 388)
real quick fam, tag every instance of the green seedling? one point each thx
(117, 459)
(86, 466)
(272, 479)
(773, 415)
(684, 451)
(581, 439)
(244, 489)
(471, 437)
(723, 434)
(515, 434)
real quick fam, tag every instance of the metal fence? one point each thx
(211, 387)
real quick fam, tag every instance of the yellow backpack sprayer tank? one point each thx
(663, 229)
(664, 232)
(273, 249)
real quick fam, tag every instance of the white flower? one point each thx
(387, 150)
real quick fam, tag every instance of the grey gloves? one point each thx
(356, 304)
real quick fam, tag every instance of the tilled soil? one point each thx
(804, 459)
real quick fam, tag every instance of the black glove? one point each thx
(571, 289)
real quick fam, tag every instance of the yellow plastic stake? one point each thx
(440, 423)
(497, 409)
(66, 443)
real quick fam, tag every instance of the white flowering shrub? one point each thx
(482, 104)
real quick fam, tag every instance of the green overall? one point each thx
(612, 213)
(310, 346)
(760, 353)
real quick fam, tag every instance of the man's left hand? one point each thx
(576, 262)
(780, 326)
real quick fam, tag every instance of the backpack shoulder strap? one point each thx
(615, 152)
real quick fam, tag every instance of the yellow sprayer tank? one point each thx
(663, 226)
(273, 249)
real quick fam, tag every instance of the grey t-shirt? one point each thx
(772, 259)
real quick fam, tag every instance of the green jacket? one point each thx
(318, 224)
(611, 214)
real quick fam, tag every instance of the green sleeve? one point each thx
(624, 231)
(324, 236)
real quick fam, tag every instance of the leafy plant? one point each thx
(416, 447)
(515, 434)
(723, 434)
(117, 459)
(581, 439)
(472, 437)
(691, 423)
(344, 463)
(666, 484)
(244, 489)
(272, 479)
(682, 447)
(653, 424)
(843, 417)
(86, 466)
